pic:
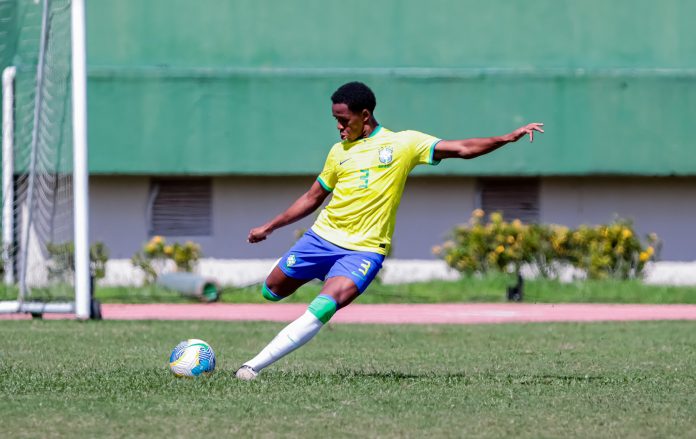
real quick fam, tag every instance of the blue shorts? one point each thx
(313, 257)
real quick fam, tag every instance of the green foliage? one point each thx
(61, 266)
(604, 251)
(153, 257)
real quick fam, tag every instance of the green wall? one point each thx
(242, 87)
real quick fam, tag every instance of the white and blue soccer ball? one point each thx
(192, 357)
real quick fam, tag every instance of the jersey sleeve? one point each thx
(422, 148)
(327, 179)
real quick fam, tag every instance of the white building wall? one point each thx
(666, 206)
(431, 206)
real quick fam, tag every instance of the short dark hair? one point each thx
(356, 95)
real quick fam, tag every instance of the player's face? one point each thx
(350, 125)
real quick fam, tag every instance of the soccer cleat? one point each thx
(246, 373)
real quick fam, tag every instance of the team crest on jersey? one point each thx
(290, 261)
(386, 154)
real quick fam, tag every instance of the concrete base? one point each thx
(240, 272)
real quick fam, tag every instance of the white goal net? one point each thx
(39, 240)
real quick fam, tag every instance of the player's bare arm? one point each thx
(303, 206)
(470, 148)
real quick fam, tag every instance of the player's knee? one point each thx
(323, 307)
(269, 295)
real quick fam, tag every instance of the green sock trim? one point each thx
(323, 307)
(269, 295)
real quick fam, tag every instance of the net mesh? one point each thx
(43, 222)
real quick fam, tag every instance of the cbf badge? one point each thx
(290, 261)
(386, 154)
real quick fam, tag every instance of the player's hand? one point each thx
(527, 129)
(258, 234)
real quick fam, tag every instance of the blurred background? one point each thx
(208, 118)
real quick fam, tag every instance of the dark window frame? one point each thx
(180, 206)
(520, 195)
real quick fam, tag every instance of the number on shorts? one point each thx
(365, 267)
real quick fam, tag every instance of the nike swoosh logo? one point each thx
(340, 163)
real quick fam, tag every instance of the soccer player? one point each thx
(366, 173)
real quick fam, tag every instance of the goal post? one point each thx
(80, 172)
(8, 78)
(45, 223)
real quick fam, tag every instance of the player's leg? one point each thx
(279, 285)
(299, 265)
(347, 279)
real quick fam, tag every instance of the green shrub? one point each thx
(155, 253)
(61, 264)
(604, 251)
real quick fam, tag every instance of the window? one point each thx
(180, 207)
(515, 198)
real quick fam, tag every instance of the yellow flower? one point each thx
(478, 213)
(168, 250)
(436, 250)
(150, 248)
(157, 240)
(516, 223)
(499, 249)
(496, 217)
(626, 233)
(650, 250)
(510, 239)
(644, 256)
(619, 250)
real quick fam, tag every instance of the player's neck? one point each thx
(369, 128)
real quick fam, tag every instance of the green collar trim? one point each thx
(375, 131)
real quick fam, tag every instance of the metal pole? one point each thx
(8, 77)
(80, 171)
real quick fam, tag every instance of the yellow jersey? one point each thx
(367, 178)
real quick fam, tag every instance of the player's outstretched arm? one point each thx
(302, 207)
(470, 148)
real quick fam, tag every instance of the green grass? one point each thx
(109, 379)
(475, 289)
(487, 289)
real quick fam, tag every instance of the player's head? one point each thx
(353, 105)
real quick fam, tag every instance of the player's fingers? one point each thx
(531, 136)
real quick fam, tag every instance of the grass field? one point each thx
(109, 379)
(491, 288)
(487, 289)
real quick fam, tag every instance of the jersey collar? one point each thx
(375, 131)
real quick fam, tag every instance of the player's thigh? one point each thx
(342, 289)
(351, 275)
(282, 284)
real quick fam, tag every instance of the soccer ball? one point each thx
(192, 357)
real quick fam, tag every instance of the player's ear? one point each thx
(366, 115)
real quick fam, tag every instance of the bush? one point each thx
(61, 264)
(604, 251)
(155, 254)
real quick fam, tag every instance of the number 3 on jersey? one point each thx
(364, 178)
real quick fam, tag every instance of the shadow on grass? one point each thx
(458, 376)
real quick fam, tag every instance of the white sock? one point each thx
(290, 338)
